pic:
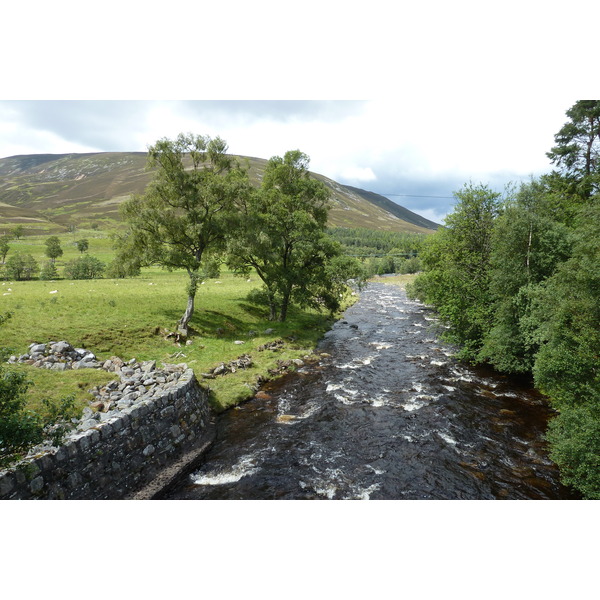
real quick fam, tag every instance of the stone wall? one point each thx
(115, 457)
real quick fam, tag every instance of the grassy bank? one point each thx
(399, 280)
(130, 318)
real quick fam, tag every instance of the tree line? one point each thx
(21, 266)
(516, 277)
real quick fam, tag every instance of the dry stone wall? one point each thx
(144, 423)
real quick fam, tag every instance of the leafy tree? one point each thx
(281, 234)
(4, 247)
(456, 264)
(574, 437)
(186, 211)
(53, 249)
(82, 245)
(21, 266)
(566, 365)
(577, 149)
(527, 245)
(18, 231)
(49, 271)
(84, 267)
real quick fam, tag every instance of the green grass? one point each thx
(129, 318)
(53, 385)
(399, 280)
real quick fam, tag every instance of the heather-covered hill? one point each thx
(48, 193)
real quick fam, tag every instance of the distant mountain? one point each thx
(47, 193)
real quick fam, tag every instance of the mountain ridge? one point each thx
(48, 193)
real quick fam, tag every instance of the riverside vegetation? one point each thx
(516, 278)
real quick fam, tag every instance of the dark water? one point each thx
(388, 415)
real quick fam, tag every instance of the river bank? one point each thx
(386, 413)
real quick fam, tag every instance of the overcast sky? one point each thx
(433, 94)
(410, 147)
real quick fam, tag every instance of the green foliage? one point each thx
(577, 150)
(280, 233)
(82, 245)
(85, 267)
(4, 247)
(527, 245)
(53, 249)
(120, 268)
(456, 260)
(574, 438)
(18, 428)
(566, 367)
(18, 231)
(187, 209)
(49, 272)
(57, 416)
(20, 267)
(364, 242)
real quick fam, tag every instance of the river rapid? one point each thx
(387, 413)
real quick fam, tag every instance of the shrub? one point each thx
(86, 267)
(49, 271)
(20, 266)
(19, 428)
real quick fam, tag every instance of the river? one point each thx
(387, 413)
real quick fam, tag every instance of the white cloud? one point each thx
(362, 174)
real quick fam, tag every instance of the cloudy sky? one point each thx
(416, 151)
(410, 100)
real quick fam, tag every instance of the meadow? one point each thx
(131, 318)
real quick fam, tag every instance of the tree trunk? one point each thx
(187, 315)
(285, 301)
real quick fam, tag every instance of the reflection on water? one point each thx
(388, 414)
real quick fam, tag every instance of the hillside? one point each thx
(48, 193)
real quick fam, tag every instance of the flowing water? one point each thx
(389, 414)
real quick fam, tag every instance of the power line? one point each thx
(416, 196)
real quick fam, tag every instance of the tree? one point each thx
(527, 246)
(281, 234)
(456, 265)
(21, 266)
(82, 245)
(49, 271)
(566, 366)
(85, 267)
(53, 249)
(186, 211)
(18, 231)
(4, 247)
(577, 149)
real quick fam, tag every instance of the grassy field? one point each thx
(399, 280)
(130, 318)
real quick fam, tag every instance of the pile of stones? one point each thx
(241, 362)
(58, 356)
(137, 381)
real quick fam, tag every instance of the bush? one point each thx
(120, 269)
(20, 266)
(19, 428)
(48, 272)
(86, 267)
